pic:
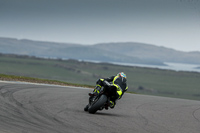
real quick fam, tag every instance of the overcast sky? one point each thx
(170, 23)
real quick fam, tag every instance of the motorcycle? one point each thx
(101, 100)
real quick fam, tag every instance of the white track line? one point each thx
(19, 82)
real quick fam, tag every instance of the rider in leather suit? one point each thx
(119, 81)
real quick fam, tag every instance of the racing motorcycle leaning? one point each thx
(102, 99)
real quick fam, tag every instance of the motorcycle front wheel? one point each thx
(96, 106)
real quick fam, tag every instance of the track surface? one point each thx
(29, 108)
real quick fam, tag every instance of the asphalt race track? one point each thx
(31, 108)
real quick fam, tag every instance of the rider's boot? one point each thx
(112, 104)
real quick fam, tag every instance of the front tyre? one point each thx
(86, 108)
(96, 106)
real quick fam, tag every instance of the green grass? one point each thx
(140, 80)
(5, 77)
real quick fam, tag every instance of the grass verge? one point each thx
(5, 77)
(148, 81)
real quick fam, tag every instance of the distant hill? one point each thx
(129, 52)
(151, 52)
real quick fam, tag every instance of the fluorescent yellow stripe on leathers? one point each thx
(119, 91)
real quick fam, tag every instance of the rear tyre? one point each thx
(96, 106)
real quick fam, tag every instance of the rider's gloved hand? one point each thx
(99, 81)
(106, 83)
